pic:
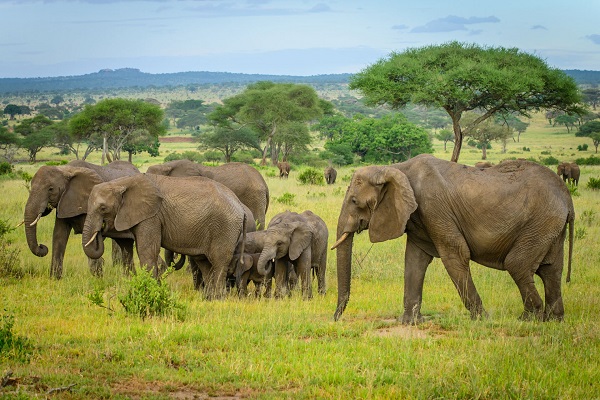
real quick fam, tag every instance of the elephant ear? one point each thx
(395, 205)
(160, 169)
(300, 240)
(141, 200)
(74, 200)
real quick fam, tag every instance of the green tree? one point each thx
(462, 77)
(229, 141)
(9, 144)
(445, 135)
(590, 129)
(293, 136)
(486, 132)
(36, 134)
(116, 121)
(591, 96)
(13, 109)
(330, 126)
(568, 121)
(513, 122)
(266, 107)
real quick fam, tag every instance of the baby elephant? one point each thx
(243, 268)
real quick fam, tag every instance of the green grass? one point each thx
(292, 348)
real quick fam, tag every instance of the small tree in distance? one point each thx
(462, 77)
(590, 129)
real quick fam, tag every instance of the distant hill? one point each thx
(131, 78)
(134, 78)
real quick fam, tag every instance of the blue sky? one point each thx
(288, 37)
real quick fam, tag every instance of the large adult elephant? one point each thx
(193, 216)
(512, 217)
(66, 188)
(299, 239)
(245, 181)
(570, 172)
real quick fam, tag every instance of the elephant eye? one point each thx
(354, 201)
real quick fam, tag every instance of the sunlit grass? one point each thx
(291, 348)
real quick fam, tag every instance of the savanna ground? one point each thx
(290, 348)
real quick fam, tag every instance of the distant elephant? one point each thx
(284, 169)
(569, 171)
(299, 239)
(483, 164)
(511, 217)
(330, 175)
(244, 180)
(194, 216)
(67, 188)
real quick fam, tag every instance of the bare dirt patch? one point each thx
(136, 389)
(176, 139)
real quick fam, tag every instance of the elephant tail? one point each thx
(571, 231)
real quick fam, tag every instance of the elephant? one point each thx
(284, 169)
(299, 239)
(569, 171)
(512, 217)
(67, 188)
(245, 181)
(244, 269)
(483, 164)
(194, 216)
(330, 175)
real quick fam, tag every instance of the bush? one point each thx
(147, 297)
(55, 163)
(549, 160)
(9, 255)
(546, 152)
(526, 149)
(582, 147)
(286, 198)
(573, 189)
(12, 347)
(244, 157)
(187, 155)
(6, 168)
(311, 176)
(591, 160)
(594, 183)
(213, 156)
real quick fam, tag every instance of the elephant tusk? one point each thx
(20, 223)
(36, 220)
(340, 240)
(92, 239)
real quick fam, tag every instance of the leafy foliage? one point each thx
(461, 77)
(594, 183)
(287, 199)
(188, 155)
(13, 347)
(311, 176)
(148, 297)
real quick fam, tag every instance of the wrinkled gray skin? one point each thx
(245, 181)
(299, 239)
(284, 169)
(512, 217)
(67, 188)
(330, 175)
(194, 216)
(569, 171)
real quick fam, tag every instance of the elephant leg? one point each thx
(551, 275)
(304, 270)
(321, 269)
(148, 253)
(125, 247)
(416, 262)
(196, 273)
(60, 236)
(281, 278)
(519, 265)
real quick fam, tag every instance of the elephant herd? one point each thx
(512, 217)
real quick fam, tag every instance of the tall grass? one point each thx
(291, 348)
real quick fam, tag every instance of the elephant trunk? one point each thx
(344, 263)
(93, 243)
(33, 212)
(264, 265)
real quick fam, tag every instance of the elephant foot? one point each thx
(478, 315)
(531, 316)
(412, 319)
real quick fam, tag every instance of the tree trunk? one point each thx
(458, 138)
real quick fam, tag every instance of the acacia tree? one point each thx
(461, 77)
(590, 129)
(117, 121)
(9, 144)
(228, 141)
(266, 106)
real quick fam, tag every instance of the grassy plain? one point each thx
(291, 348)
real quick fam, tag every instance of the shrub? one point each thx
(582, 147)
(587, 217)
(147, 297)
(187, 155)
(549, 160)
(6, 168)
(244, 157)
(286, 198)
(546, 152)
(12, 347)
(573, 189)
(594, 183)
(311, 176)
(54, 163)
(580, 233)
(526, 149)
(9, 255)
(213, 156)
(591, 160)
